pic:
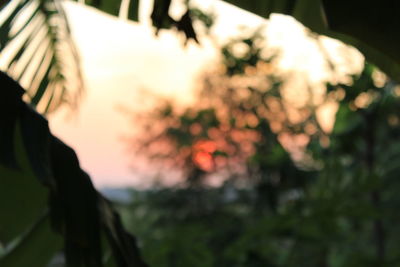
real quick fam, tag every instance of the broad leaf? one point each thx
(41, 175)
(23, 198)
(36, 248)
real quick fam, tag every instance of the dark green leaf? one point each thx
(10, 105)
(24, 199)
(111, 7)
(36, 247)
(133, 11)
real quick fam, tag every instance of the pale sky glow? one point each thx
(120, 59)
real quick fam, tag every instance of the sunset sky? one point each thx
(120, 60)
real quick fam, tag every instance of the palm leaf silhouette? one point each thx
(37, 50)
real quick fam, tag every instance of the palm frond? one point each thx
(37, 50)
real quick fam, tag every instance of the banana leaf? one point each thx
(49, 206)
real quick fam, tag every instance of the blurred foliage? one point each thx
(233, 129)
(328, 200)
(328, 204)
